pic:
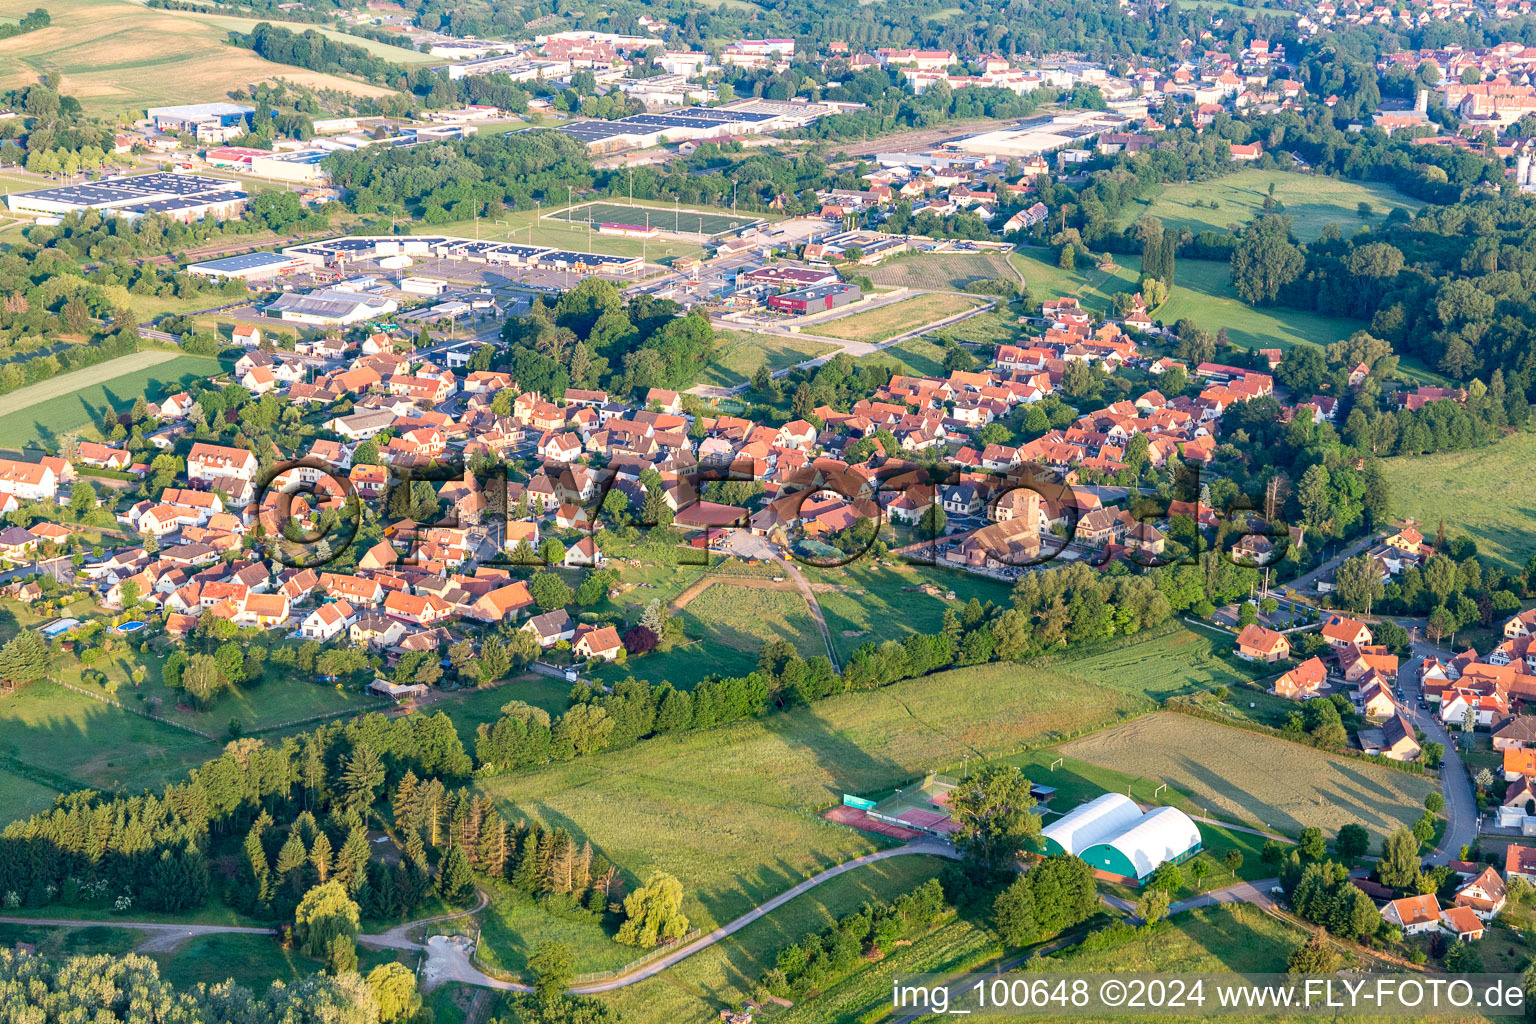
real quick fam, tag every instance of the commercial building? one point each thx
(183, 197)
(300, 166)
(815, 300)
(744, 117)
(1119, 841)
(251, 266)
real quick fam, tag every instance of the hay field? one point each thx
(1251, 777)
(118, 57)
(38, 413)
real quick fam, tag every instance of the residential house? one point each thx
(1255, 643)
(597, 643)
(1413, 914)
(1304, 681)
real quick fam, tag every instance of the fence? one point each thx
(135, 711)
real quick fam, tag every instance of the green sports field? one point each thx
(39, 413)
(680, 221)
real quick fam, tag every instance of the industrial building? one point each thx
(251, 266)
(209, 122)
(816, 300)
(1043, 134)
(183, 197)
(337, 252)
(776, 277)
(744, 117)
(1120, 841)
(330, 307)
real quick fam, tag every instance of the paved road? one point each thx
(1256, 892)
(448, 961)
(1455, 785)
(1303, 583)
(161, 937)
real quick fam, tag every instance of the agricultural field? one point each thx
(940, 271)
(724, 974)
(885, 322)
(1486, 493)
(677, 220)
(1257, 779)
(39, 413)
(1311, 201)
(58, 736)
(731, 811)
(118, 57)
(739, 354)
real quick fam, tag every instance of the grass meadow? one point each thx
(724, 974)
(941, 271)
(1311, 201)
(39, 413)
(732, 811)
(691, 221)
(741, 353)
(877, 325)
(56, 736)
(1486, 493)
(869, 601)
(1257, 779)
(912, 356)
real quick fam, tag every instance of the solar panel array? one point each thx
(697, 118)
(144, 193)
(365, 247)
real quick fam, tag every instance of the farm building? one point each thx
(815, 300)
(1119, 841)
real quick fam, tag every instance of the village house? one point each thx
(1255, 643)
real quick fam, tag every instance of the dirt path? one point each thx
(160, 937)
(449, 960)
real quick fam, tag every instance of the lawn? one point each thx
(468, 708)
(75, 741)
(739, 354)
(1486, 493)
(1311, 201)
(888, 321)
(731, 811)
(39, 413)
(939, 271)
(118, 57)
(723, 975)
(1257, 779)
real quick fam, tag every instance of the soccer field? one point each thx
(680, 221)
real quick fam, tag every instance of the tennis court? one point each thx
(681, 221)
(924, 807)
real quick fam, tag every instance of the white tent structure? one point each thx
(1114, 836)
